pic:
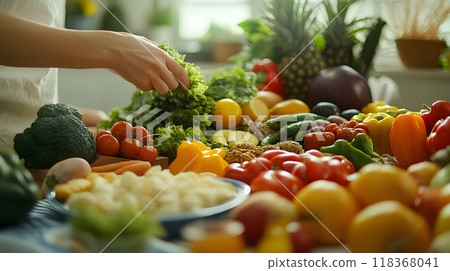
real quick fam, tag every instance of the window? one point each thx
(196, 16)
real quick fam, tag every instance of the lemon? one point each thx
(229, 112)
(290, 106)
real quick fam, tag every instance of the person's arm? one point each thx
(136, 59)
(92, 117)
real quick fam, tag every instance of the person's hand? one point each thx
(142, 63)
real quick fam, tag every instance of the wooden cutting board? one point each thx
(40, 174)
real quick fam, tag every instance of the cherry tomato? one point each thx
(362, 126)
(279, 181)
(148, 153)
(100, 133)
(107, 145)
(140, 133)
(130, 148)
(121, 130)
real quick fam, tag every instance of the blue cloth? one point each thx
(49, 217)
(30, 234)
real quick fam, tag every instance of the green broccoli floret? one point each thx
(57, 134)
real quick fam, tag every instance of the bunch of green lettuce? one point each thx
(235, 84)
(148, 108)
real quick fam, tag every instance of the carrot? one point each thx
(114, 166)
(138, 168)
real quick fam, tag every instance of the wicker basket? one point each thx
(416, 53)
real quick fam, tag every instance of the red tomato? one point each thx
(272, 153)
(140, 133)
(248, 170)
(121, 130)
(100, 133)
(148, 153)
(289, 165)
(280, 158)
(299, 171)
(316, 169)
(348, 165)
(312, 152)
(337, 172)
(279, 181)
(130, 148)
(318, 139)
(107, 145)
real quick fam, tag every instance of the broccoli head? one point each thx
(57, 134)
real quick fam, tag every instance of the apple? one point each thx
(342, 86)
(429, 203)
(302, 239)
(260, 210)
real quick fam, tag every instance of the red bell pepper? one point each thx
(273, 80)
(439, 110)
(248, 170)
(439, 137)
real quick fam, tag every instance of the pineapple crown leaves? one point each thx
(291, 22)
(338, 32)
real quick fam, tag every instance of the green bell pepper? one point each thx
(364, 143)
(354, 155)
(18, 191)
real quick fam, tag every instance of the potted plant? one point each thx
(80, 14)
(416, 27)
(160, 21)
(223, 42)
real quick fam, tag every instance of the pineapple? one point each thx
(298, 60)
(338, 35)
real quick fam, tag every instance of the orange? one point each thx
(442, 224)
(256, 110)
(388, 227)
(325, 207)
(377, 182)
(230, 112)
(288, 107)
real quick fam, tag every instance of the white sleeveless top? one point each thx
(24, 90)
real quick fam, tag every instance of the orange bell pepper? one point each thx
(408, 139)
(196, 157)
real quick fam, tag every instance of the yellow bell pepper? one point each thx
(196, 157)
(378, 107)
(380, 125)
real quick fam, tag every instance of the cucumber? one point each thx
(276, 123)
(293, 128)
(287, 132)
(273, 138)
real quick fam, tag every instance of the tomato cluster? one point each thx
(127, 141)
(333, 132)
(286, 172)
